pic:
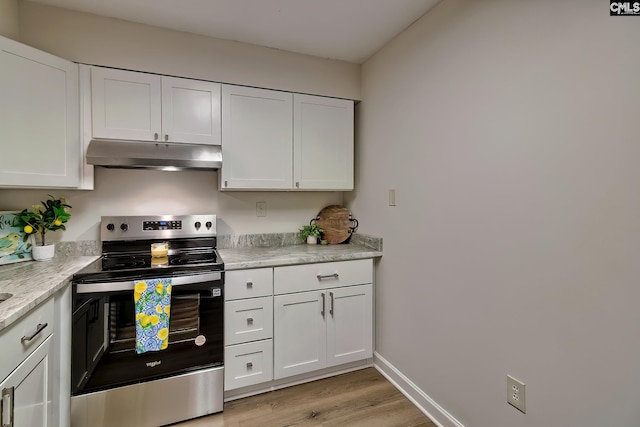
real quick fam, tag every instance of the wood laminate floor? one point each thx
(357, 399)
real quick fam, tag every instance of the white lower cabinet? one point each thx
(327, 324)
(320, 329)
(248, 328)
(248, 364)
(26, 364)
(293, 320)
(26, 392)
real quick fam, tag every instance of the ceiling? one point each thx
(349, 30)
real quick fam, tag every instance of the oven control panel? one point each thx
(161, 225)
(156, 227)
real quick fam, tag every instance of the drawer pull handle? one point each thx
(7, 399)
(39, 329)
(249, 365)
(331, 307)
(249, 320)
(249, 285)
(327, 276)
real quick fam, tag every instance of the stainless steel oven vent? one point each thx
(153, 155)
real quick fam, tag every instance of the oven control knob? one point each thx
(208, 224)
(124, 227)
(197, 225)
(111, 227)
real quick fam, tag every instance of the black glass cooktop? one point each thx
(132, 260)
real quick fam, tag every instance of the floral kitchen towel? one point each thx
(153, 302)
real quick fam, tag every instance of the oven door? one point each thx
(104, 333)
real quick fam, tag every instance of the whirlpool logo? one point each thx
(622, 8)
(154, 363)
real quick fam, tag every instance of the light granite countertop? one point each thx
(32, 282)
(253, 257)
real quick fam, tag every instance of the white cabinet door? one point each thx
(349, 324)
(323, 143)
(39, 118)
(257, 135)
(190, 111)
(27, 391)
(299, 333)
(125, 104)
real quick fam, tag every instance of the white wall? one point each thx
(9, 19)
(510, 131)
(91, 39)
(147, 192)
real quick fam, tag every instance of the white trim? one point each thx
(427, 405)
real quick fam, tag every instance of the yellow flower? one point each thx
(163, 333)
(140, 287)
(169, 289)
(139, 316)
(159, 288)
(28, 229)
(159, 309)
(57, 222)
(167, 309)
(136, 296)
(154, 319)
(164, 345)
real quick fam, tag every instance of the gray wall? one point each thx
(510, 132)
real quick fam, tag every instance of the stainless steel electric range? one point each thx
(113, 385)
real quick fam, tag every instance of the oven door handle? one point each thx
(128, 285)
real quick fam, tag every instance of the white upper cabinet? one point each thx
(323, 143)
(257, 134)
(125, 104)
(39, 118)
(149, 107)
(281, 141)
(190, 111)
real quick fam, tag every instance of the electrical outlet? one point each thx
(261, 208)
(516, 394)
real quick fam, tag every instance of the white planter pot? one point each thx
(43, 253)
(312, 240)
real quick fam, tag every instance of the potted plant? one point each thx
(49, 216)
(310, 233)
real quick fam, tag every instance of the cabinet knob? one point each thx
(166, 136)
(249, 365)
(297, 184)
(249, 285)
(226, 184)
(249, 320)
(155, 136)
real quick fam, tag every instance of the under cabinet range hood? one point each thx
(153, 155)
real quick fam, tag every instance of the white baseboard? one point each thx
(418, 397)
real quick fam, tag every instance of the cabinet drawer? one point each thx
(248, 283)
(14, 349)
(308, 277)
(248, 364)
(248, 320)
